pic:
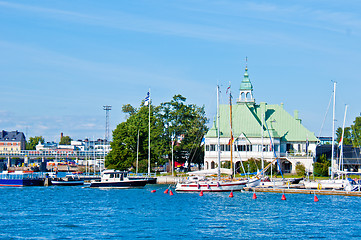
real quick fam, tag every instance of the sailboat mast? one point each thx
(136, 169)
(149, 135)
(219, 138)
(333, 131)
(231, 141)
(341, 142)
(262, 143)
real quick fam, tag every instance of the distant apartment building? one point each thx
(79, 145)
(11, 142)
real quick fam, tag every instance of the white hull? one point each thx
(215, 186)
(328, 184)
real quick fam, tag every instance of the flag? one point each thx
(203, 141)
(270, 145)
(231, 140)
(340, 142)
(146, 100)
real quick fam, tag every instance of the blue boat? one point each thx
(21, 179)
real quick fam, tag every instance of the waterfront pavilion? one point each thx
(258, 129)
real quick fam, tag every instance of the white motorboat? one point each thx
(117, 179)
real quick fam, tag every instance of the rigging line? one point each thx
(194, 147)
(239, 155)
(273, 148)
(324, 119)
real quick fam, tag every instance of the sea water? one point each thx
(82, 213)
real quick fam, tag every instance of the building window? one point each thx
(222, 147)
(207, 148)
(228, 148)
(212, 147)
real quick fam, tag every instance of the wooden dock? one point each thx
(303, 191)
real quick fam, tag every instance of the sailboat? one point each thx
(197, 184)
(336, 169)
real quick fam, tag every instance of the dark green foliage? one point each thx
(124, 146)
(356, 132)
(33, 141)
(174, 117)
(347, 140)
(320, 168)
(65, 140)
(187, 122)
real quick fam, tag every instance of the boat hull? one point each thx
(21, 182)
(150, 180)
(327, 184)
(119, 184)
(67, 183)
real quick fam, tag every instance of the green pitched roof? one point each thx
(247, 120)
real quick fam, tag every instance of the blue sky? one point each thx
(61, 61)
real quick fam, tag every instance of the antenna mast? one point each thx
(107, 109)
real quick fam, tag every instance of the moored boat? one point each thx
(21, 179)
(151, 179)
(117, 179)
(68, 180)
(213, 185)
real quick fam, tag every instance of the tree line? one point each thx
(352, 134)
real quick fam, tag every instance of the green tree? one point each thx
(300, 169)
(320, 168)
(356, 132)
(124, 145)
(33, 141)
(65, 140)
(184, 121)
(128, 109)
(347, 140)
(187, 123)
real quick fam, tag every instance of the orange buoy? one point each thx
(315, 198)
(283, 197)
(201, 193)
(231, 194)
(153, 191)
(171, 193)
(254, 196)
(166, 191)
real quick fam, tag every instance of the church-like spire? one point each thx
(246, 89)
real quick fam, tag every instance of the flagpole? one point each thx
(149, 136)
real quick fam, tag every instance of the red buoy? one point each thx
(171, 193)
(254, 196)
(283, 197)
(153, 191)
(166, 191)
(201, 193)
(231, 194)
(315, 198)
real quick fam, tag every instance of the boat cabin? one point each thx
(113, 175)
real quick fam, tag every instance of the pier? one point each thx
(303, 191)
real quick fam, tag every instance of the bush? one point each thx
(320, 168)
(300, 169)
